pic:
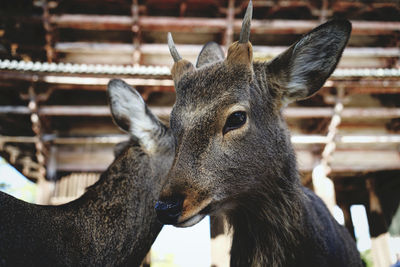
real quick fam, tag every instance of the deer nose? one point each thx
(168, 210)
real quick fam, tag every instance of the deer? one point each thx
(233, 154)
(114, 222)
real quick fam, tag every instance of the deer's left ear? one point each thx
(210, 53)
(302, 69)
(131, 114)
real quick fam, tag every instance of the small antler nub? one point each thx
(172, 49)
(245, 32)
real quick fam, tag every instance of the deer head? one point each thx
(232, 148)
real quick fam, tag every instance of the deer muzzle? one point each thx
(169, 210)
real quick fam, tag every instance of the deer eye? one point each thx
(234, 121)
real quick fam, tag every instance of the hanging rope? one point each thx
(36, 128)
(324, 186)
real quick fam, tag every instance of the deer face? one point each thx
(231, 140)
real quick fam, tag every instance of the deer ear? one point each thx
(210, 53)
(131, 114)
(302, 69)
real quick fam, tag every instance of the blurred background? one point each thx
(57, 136)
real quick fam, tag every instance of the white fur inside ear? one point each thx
(129, 107)
(301, 67)
(311, 57)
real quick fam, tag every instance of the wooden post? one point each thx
(230, 16)
(45, 188)
(323, 186)
(136, 55)
(44, 191)
(147, 260)
(49, 32)
(381, 251)
(347, 219)
(378, 228)
(221, 242)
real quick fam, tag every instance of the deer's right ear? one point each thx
(131, 114)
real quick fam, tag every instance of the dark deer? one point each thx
(233, 154)
(114, 222)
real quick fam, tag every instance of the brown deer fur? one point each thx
(114, 222)
(249, 173)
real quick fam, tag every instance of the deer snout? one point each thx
(169, 210)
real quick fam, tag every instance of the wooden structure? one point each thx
(56, 58)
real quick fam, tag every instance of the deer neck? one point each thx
(267, 222)
(109, 209)
(127, 186)
(266, 237)
(115, 183)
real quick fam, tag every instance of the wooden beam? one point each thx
(78, 159)
(343, 161)
(96, 111)
(365, 160)
(296, 139)
(260, 51)
(81, 79)
(208, 25)
(221, 241)
(347, 139)
(72, 140)
(290, 112)
(107, 22)
(324, 112)
(92, 22)
(345, 207)
(378, 227)
(99, 82)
